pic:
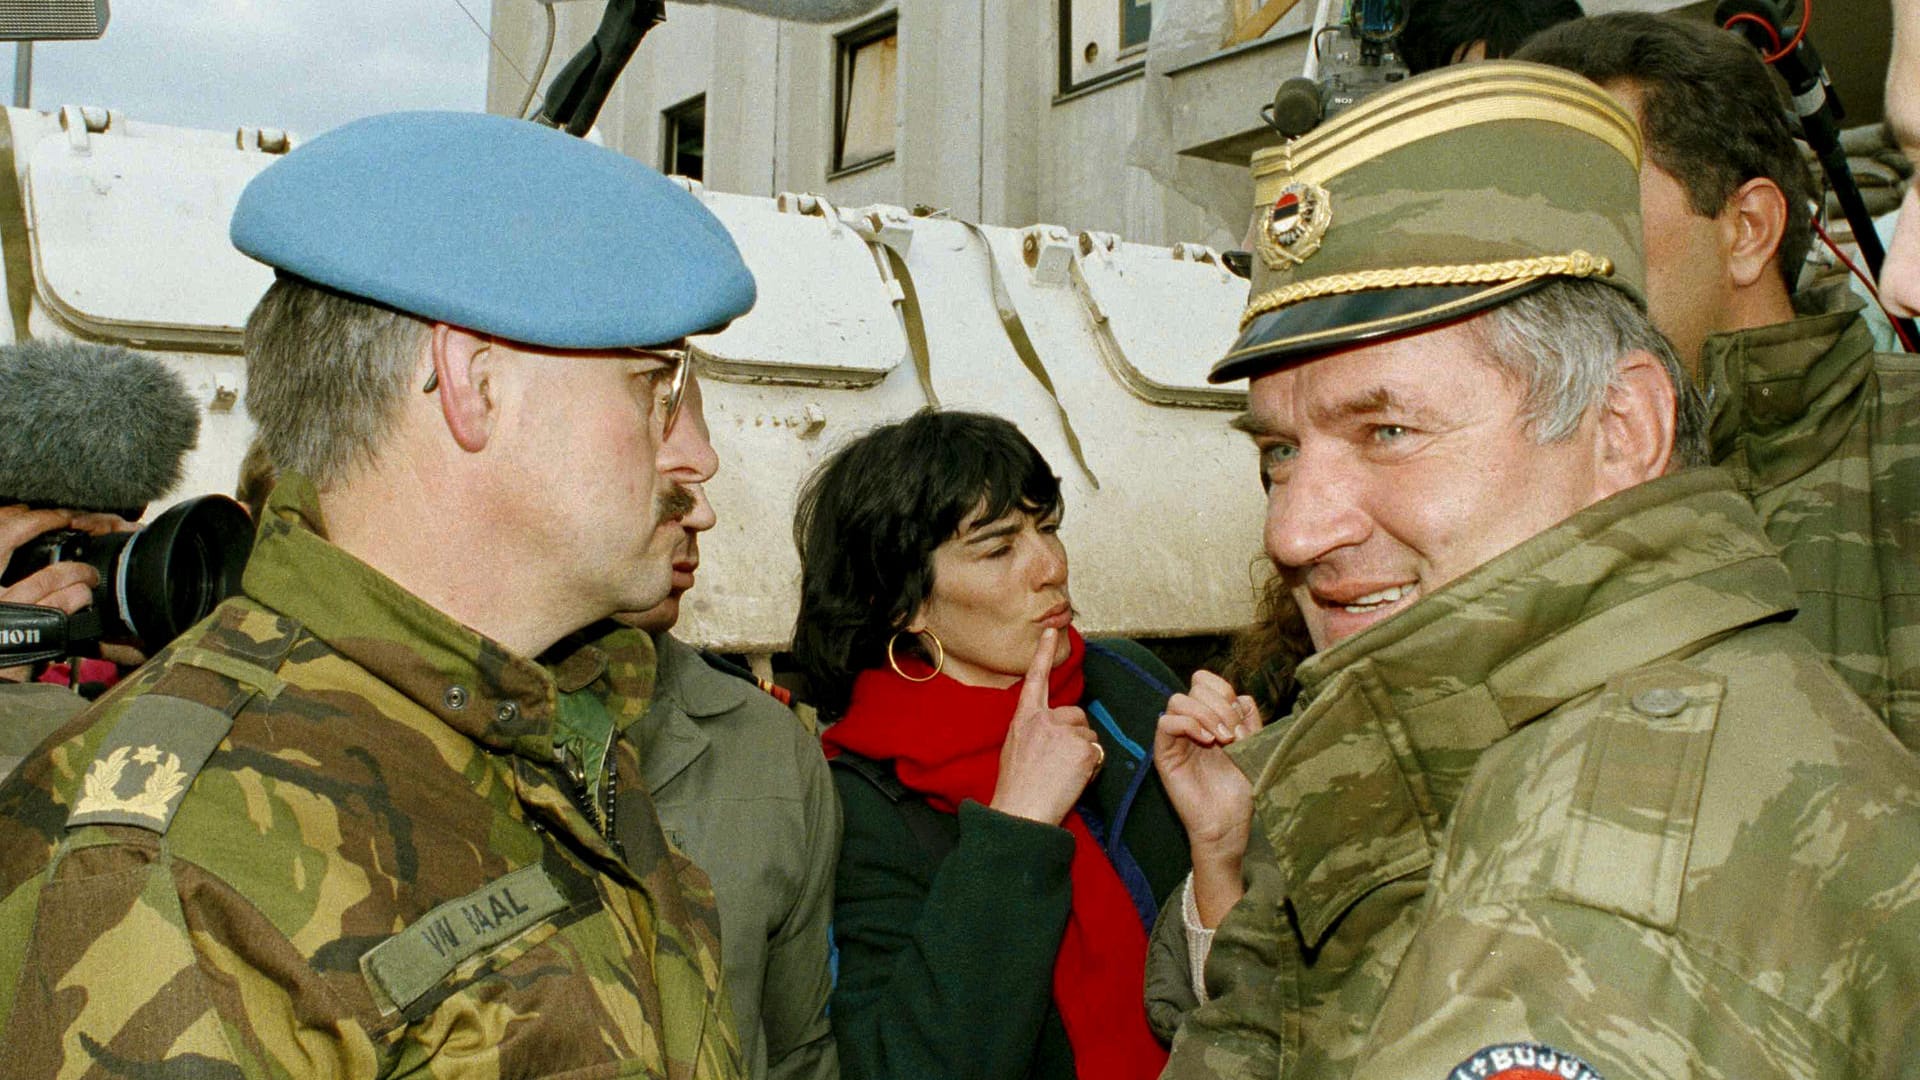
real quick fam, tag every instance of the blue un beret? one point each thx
(497, 225)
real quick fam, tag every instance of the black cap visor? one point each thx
(1324, 324)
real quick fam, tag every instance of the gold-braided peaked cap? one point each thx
(1453, 192)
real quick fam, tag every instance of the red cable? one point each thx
(1872, 290)
(1759, 22)
(1806, 20)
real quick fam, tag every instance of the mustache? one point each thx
(675, 503)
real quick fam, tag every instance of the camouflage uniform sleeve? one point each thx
(1170, 994)
(1632, 1002)
(137, 960)
(794, 1008)
(1238, 1032)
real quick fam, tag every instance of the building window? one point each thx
(685, 128)
(866, 94)
(1102, 39)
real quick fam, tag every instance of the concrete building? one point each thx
(1127, 116)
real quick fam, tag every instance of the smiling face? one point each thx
(996, 586)
(1394, 468)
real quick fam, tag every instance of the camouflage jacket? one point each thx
(1823, 434)
(324, 833)
(1593, 800)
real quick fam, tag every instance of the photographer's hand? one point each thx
(64, 585)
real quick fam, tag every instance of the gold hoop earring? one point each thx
(939, 662)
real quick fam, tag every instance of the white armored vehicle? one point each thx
(116, 231)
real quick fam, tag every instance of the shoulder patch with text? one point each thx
(1522, 1061)
(404, 967)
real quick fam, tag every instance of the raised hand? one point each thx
(1050, 752)
(1212, 796)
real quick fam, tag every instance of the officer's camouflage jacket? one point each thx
(1823, 434)
(323, 834)
(1593, 802)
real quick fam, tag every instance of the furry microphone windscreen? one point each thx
(90, 427)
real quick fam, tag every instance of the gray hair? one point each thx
(1563, 342)
(326, 373)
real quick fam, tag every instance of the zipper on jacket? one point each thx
(601, 817)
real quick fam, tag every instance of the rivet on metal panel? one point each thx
(1100, 243)
(224, 399)
(816, 420)
(1199, 253)
(693, 187)
(1048, 252)
(274, 141)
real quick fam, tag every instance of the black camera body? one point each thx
(154, 582)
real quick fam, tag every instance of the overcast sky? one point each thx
(303, 65)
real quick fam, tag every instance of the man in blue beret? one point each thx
(375, 816)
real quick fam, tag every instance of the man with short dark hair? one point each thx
(1555, 741)
(1443, 32)
(1819, 429)
(375, 817)
(1726, 196)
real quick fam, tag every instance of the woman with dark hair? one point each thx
(1008, 842)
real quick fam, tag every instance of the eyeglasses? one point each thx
(679, 359)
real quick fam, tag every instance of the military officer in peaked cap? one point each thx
(373, 816)
(1562, 793)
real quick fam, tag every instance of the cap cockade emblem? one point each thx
(1294, 225)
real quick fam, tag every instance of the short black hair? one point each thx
(1437, 29)
(1713, 115)
(870, 518)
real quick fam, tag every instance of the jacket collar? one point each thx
(474, 684)
(1784, 396)
(1356, 787)
(673, 735)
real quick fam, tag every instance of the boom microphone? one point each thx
(90, 427)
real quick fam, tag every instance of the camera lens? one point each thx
(173, 573)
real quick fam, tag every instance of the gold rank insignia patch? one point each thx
(101, 789)
(1294, 225)
(145, 767)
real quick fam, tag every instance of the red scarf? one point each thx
(944, 740)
